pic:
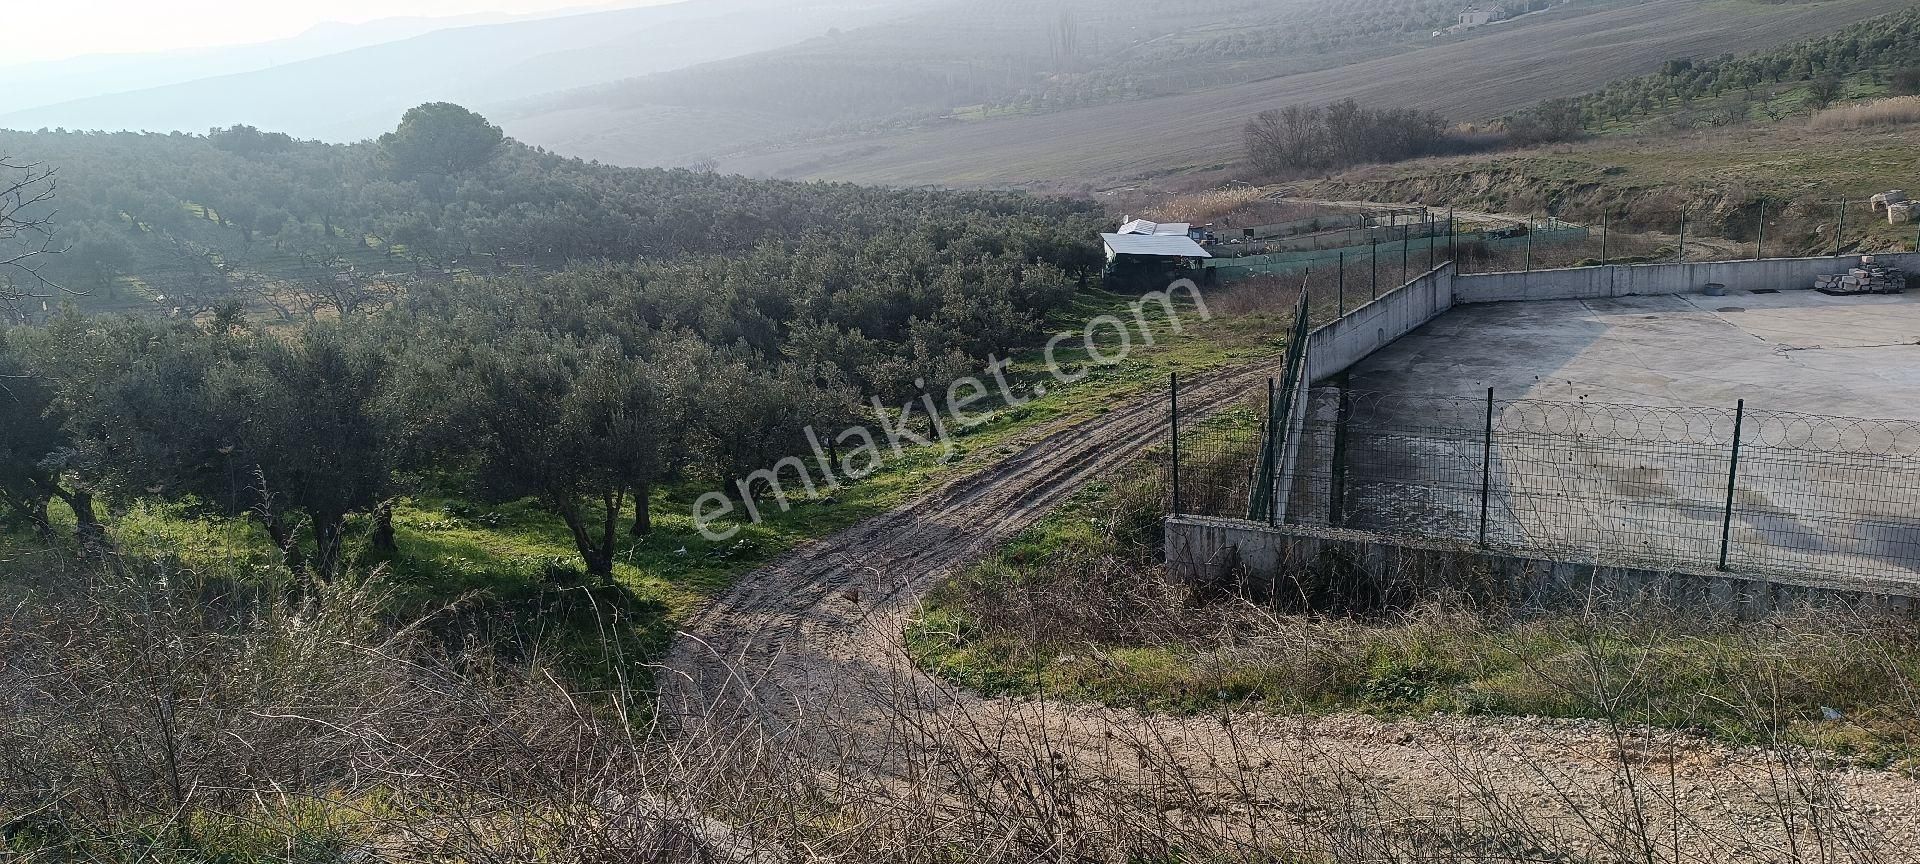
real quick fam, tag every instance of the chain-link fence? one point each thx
(1666, 488)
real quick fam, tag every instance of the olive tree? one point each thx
(567, 422)
(231, 420)
(35, 448)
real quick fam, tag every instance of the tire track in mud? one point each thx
(811, 648)
(905, 552)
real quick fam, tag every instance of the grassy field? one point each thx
(1481, 76)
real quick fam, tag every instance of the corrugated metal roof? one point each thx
(1142, 226)
(1157, 245)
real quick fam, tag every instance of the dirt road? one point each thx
(811, 648)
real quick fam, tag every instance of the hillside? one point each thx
(976, 60)
(1722, 138)
(196, 222)
(1195, 123)
(1719, 176)
(355, 94)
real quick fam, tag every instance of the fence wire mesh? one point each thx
(1664, 488)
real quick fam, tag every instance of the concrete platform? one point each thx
(1614, 431)
(1795, 350)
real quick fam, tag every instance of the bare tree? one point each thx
(26, 229)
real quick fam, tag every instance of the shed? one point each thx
(1153, 246)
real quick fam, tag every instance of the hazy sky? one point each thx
(49, 29)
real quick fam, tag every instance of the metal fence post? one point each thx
(1683, 236)
(1173, 404)
(1529, 248)
(1373, 270)
(1605, 220)
(1337, 495)
(1406, 242)
(1273, 413)
(1453, 238)
(1340, 304)
(1840, 232)
(1760, 232)
(1273, 446)
(1486, 472)
(1733, 479)
(1432, 233)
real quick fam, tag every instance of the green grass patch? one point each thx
(1075, 609)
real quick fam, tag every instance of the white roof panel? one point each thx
(1142, 226)
(1157, 245)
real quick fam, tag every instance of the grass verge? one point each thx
(1076, 609)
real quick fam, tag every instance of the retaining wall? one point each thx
(1297, 562)
(1335, 348)
(1630, 280)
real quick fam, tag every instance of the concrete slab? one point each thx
(1792, 351)
(1614, 427)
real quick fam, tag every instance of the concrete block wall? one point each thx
(1631, 280)
(1335, 348)
(1294, 563)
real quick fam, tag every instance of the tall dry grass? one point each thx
(157, 715)
(1243, 206)
(1893, 111)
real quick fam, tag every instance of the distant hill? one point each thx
(52, 82)
(199, 220)
(354, 94)
(1106, 92)
(971, 58)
